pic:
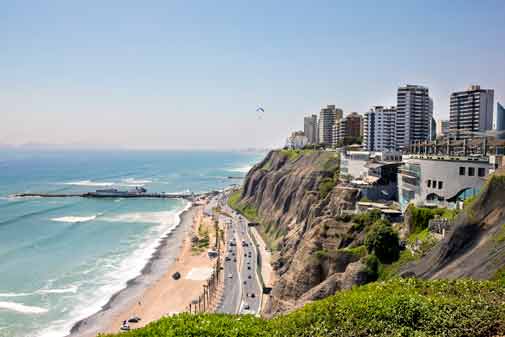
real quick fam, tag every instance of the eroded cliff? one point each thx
(297, 199)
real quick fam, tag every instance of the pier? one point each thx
(105, 195)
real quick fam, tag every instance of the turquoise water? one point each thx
(61, 259)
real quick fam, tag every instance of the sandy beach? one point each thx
(155, 293)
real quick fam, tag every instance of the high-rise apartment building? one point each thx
(379, 126)
(414, 112)
(310, 129)
(471, 112)
(500, 121)
(442, 128)
(347, 130)
(327, 117)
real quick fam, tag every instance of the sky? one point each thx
(190, 74)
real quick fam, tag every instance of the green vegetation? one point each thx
(391, 270)
(365, 219)
(398, 307)
(359, 251)
(421, 216)
(201, 243)
(373, 267)
(267, 232)
(295, 154)
(382, 240)
(248, 211)
(500, 238)
(325, 186)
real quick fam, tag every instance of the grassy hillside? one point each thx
(398, 307)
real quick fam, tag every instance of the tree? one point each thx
(383, 241)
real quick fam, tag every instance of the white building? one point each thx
(354, 163)
(327, 118)
(414, 111)
(379, 127)
(471, 112)
(433, 180)
(297, 140)
(310, 129)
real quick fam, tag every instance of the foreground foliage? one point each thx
(399, 307)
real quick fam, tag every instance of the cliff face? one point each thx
(475, 246)
(305, 224)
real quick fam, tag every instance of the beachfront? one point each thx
(165, 295)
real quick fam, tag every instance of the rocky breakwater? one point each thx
(297, 199)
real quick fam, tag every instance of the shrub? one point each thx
(383, 241)
(325, 186)
(398, 307)
(372, 267)
(365, 219)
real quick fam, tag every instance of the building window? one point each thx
(462, 170)
(440, 185)
(482, 172)
(429, 183)
(471, 171)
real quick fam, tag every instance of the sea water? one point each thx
(61, 259)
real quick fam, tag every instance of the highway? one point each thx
(242, 289)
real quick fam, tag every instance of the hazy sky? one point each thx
(164, 74)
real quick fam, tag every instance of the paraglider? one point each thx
(260, 110)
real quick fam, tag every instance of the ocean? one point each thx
(61, 259)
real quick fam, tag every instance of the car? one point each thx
(248, 267)
(234, 259)
(230, 275)
(253, 295)
(227, 258)
(245, 254)
(246, 306)
(245, 282)
(249, 277)
(134, 319)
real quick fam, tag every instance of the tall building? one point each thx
(433, 129)
(442, 128)
(379, 126)
(327, 117)
(413, 115)
(500, 121)
(347, 130)
(471, 112)
(310, 129)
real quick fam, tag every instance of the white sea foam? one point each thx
(72, 289)
(90, 183)
(15, 294)
(136, 182)
(21, 308)
(162, 218)
(74, 219)
(116, 277)
(241, 169)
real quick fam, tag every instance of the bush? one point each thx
(399, 307)
(325, 186)
(421, 216)
(383, 241)
(372, 267)
(365, 219)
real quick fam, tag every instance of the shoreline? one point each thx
(163, 258)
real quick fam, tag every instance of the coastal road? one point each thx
(242, 291)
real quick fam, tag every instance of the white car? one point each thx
(230, 275)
